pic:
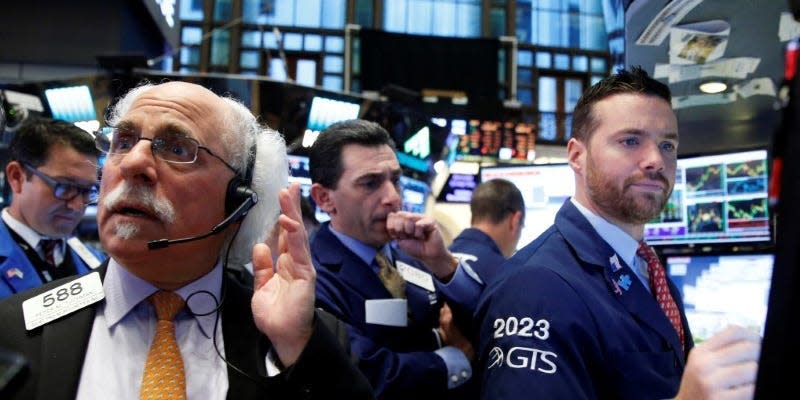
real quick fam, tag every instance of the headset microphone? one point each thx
(237, 215)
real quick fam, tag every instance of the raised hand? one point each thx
(283, 302)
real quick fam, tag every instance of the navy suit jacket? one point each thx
(399, 361)
(476, 249)
(55, 353)
(568, 319)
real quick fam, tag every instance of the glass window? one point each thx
(313, 42)
(595, 79)
(334, 44)
(333, 13)
(455, 18)
(580, 63)
(293, 41)
(524, 77)
(497, 22)
(445, 20)
(191, 35)
(306, 72)
(223, 9)
(220, 47)
(277, 70)
(547, 94)
(364, 13)
(308, 13)
(544, 60)
(249, 59)
(525, 96)
(525, 58)
(598, 65)
(191, 10)
(332, 82)
(333, 64)
(190, 56)
(561, 23)
(562, 61)
(270, 40)
(251, 39)
(573, 88)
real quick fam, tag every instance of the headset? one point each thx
(239, 199)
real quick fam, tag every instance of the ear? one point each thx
(576, 154)
(15, 176)
(323, 198)
(515, 220)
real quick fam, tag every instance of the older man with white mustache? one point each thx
(190, 186)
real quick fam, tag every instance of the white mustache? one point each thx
(143, 196)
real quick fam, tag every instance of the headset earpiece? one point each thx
(239, 191)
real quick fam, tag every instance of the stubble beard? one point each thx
(619, 203)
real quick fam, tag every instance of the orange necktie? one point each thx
(658, 284)
(163, 376)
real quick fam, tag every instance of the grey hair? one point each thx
(240, 131)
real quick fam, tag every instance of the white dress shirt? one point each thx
(125, 325)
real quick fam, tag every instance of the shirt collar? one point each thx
(124, 291)
(622, 243)
(364, 251)
(30, 236)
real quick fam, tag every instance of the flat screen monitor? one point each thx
(717, 199)
(544, 188)
(506, 141)
(299, 172)
(414, 193)
(718, 290)
(71, 104)
(323, 113)
(458, 188)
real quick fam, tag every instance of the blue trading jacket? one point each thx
(568, 319)
(16, 271)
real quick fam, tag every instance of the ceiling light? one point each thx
(713, 87)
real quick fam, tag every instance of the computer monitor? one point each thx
(323, 113)
(299, 172)
(724, 289)
(544, 188)
(73, 104)
(717, 199)
(414, 193)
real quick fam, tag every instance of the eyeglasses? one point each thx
(172, 147)
(66, 191)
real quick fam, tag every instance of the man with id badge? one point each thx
(384, 272)
(52, 174)
(191, 185)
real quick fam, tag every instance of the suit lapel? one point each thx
(622, 282)
(245, 346)
(64, 343)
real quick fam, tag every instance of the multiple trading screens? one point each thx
(718, 290)
(717, 199)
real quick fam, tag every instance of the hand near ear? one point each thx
(283, 302)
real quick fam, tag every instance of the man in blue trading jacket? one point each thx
(52, 174)
(572, 315)
(374, 266)
(498, 215)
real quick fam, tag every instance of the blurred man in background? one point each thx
(52, 174)
(498, 216)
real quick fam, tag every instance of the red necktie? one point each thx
(658, 284)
